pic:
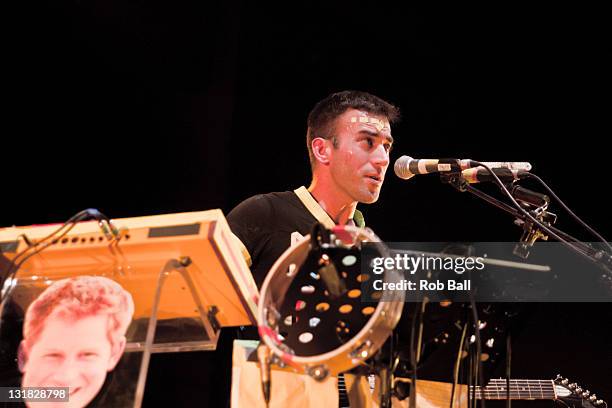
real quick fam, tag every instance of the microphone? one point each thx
(263, 355)
(480, 174)
(406, 167)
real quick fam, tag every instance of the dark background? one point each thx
(140, 108)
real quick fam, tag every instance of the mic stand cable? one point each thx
(600, 258)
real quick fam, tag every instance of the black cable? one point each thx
(458, 364)
(470, 377)
(535, 221)
(413, 362)
(391, 368)
(41, 248)
(44, 243)
(466, 369)
(508, 367)
(517, 205)
(92, 212)
(418, 317)
(474, 374)
(515, 213)
(479, 377)
(14, 267)
(479, 374)
(578, 246)
(570, 212)
(39, 242)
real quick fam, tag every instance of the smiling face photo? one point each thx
(74, 334)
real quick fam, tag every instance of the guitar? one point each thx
(559, 389)
(434, 394)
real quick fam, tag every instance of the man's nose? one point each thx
(67, 372)
(381, 157)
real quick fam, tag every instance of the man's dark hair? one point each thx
(322, 117)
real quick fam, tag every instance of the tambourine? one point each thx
(312, 313)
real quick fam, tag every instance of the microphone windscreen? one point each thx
(401, 167)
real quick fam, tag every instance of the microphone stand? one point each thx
(598, 257)
(532, 232)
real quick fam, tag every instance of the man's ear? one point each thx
(116, 352)
(321, 149)
(22, 356)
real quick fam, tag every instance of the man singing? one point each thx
(348, 140)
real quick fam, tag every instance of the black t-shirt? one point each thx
(266, 224)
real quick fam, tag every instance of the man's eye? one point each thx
(388, 147)
(89, 355)
(53, 355)
(369, 142)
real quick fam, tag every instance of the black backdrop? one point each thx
(140, 108)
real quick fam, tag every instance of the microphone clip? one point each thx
(531, 232)
(537, 204)
(456, 180)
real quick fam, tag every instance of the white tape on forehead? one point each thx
(379, 124)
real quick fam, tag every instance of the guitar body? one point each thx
(435, 394)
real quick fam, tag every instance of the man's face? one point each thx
(359, 163)
(75, 354)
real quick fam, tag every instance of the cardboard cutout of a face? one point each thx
(74, 334)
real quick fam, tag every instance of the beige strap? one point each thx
(313, 206)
